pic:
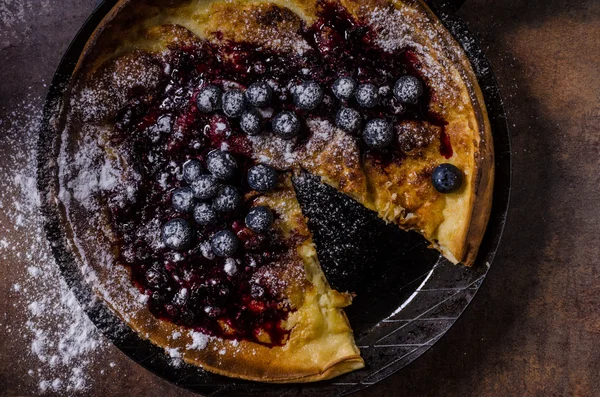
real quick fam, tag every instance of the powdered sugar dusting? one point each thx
(230, 266)
(199, 340)
(92, 168)
(407, 27)
(63, 343)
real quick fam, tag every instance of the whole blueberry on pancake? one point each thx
(192, 169)
(233, 103)
(259, 219)
(250, 122)
(205, 214)
(182, 199)
(447, 178)
(221, 165)
(209, 98)
(367, 95)
(343, 88)
(308, 95)
(378, 133)
(262, 178)
(348, 119)
(177, 234)
(205, 187)
(408, 89)
(259, 94)
(224, 243)
(286, 124)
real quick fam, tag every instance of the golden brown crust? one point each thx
(320, 344)
(483, 169)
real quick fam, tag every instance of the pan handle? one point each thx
(448, 5)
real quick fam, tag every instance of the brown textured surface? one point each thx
(533, 328)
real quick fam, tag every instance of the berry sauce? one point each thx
(162, 131)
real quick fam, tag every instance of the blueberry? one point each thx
(156, 277)
(367, 95)
(204, 214)
(164, 124)
(209, 98)
(192, 169)
(308, 95)
(158, 298)
(205, 187)
(259, 219)
(446, 178)
(233, 103)
(286, 124)
(250, 122)
(227, 199)
(378, 133)
(262, 178)
(221, 164)
(343, 88)
(177, 234)
(182, 199)
(259, 94)
(408, 89)
(224, 243)
(348, 119)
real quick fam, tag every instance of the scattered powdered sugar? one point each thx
(287, 154)
(230, 267)
(408, 27)
(199, 340)
(393, 31)
(175, 355)
(89, 170)
(63, 342)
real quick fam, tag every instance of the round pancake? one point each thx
(123, 60)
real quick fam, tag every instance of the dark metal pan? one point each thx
(404, 312)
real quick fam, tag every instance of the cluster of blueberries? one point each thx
(242, 105)
(377, 133)
(207, 195)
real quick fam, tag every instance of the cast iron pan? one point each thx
(407, 299)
